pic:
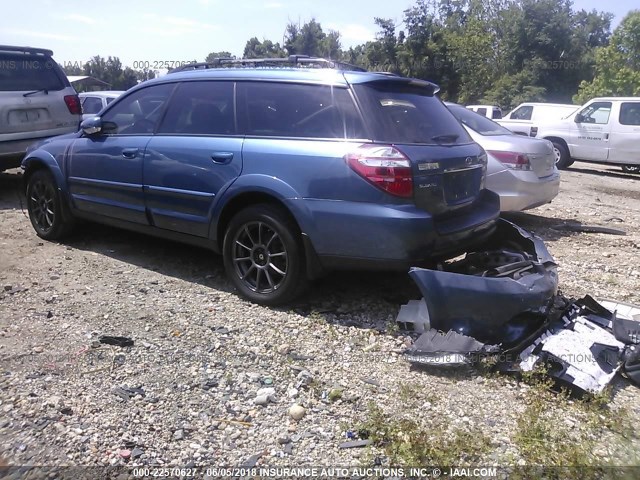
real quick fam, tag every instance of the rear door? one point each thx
(590, 137)
(105, 170)
(195, 154)
(625, 136)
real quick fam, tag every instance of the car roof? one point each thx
(326, 76)
(27, 50)
(614, 99)
(102, 93)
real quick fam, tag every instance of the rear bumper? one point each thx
(356, 235)
(523, 190)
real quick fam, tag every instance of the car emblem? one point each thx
(468, 160)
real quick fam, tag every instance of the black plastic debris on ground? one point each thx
(125, 392)
(501, 300)
(116, 341)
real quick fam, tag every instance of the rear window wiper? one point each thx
(451, 137)
(36, 91)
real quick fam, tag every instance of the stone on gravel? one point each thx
(297, 411)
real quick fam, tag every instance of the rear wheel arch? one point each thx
(565, 154)
(242, 201)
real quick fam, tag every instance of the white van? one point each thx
(604, 130)
(489, 111)
(524, 119)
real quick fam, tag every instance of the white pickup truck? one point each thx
(604, 130)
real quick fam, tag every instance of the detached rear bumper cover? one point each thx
(497, 294)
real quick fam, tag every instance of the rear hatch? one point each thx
(448, 168)
(32, 96)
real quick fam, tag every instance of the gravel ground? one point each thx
(218, 375)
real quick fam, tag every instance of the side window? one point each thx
(522, 113)
(91, 105)
(496, 114)
(629, 113)
(596, 113)
(482, 111)
(292, 110)
(200, 108)
(138, 113)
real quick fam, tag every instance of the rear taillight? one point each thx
(384, 166)
(517, 161)
(73, 104)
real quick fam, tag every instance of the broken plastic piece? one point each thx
(413, 316)
(435, 348)
(117, 341)
(574, 227)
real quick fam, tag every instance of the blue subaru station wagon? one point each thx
(285, 169)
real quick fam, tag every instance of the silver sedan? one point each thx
(520, 169)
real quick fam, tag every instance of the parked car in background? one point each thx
(36, 101)
(604, 130)
(489, 111)
(94, 102)
(278, 169)
(526, 117)
(520, 169)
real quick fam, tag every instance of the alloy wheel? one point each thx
(42, 205)
(260, 257)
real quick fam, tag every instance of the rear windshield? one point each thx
(476, 122)
(20, 72)
(404, 113)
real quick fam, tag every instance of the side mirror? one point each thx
(579, 118)
(91, 126)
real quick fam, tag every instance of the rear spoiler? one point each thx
(40, 51)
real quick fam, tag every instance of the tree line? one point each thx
(500, 52)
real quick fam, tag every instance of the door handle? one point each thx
(222, 157)
(606, 136)
(130, 152)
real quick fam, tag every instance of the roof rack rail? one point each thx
(12, 48)
(303, 61)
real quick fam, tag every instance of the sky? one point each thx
(156, 32)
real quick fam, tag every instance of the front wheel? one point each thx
(263, 256)
(563, 160)
(47, 211)
(631, 168)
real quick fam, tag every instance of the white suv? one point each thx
(36, 101)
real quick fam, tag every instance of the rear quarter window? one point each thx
(402, 113)
(294, 110)
(20, 72)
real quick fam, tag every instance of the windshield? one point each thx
(402, 113)
(20, 72)
(477, 123)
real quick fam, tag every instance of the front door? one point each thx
(105, 169)
(590, 136)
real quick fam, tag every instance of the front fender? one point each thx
(42, 158)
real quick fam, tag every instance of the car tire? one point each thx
(263, 255)
(48, 213)
(631, 168)
(563, 160)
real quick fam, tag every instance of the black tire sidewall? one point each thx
(565, 161)
(59, 228)
(288, 231)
